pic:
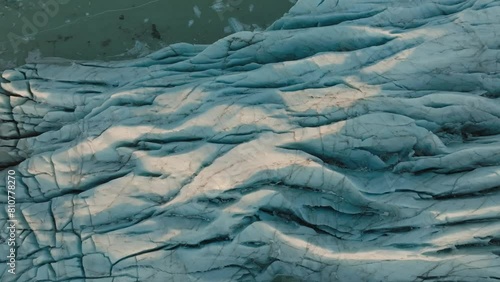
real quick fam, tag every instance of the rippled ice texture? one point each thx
(352, 141)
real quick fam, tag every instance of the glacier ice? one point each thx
(351, 141)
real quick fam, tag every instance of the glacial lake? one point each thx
(121, 29)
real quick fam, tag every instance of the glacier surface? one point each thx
(353, 140)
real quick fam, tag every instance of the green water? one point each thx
(119, 29)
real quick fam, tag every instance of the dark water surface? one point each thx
(118, 29)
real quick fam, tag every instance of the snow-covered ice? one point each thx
(350, 141)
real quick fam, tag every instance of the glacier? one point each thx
(353, 140)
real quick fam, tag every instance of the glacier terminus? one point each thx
(352, 140)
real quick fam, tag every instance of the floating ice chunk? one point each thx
(190, 23)
(235, 25)
(257, 27)
(140, 49)
(197, 11)
(33, 56)
(218, 6)
(250, 7)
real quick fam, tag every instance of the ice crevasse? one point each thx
(353, 140)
